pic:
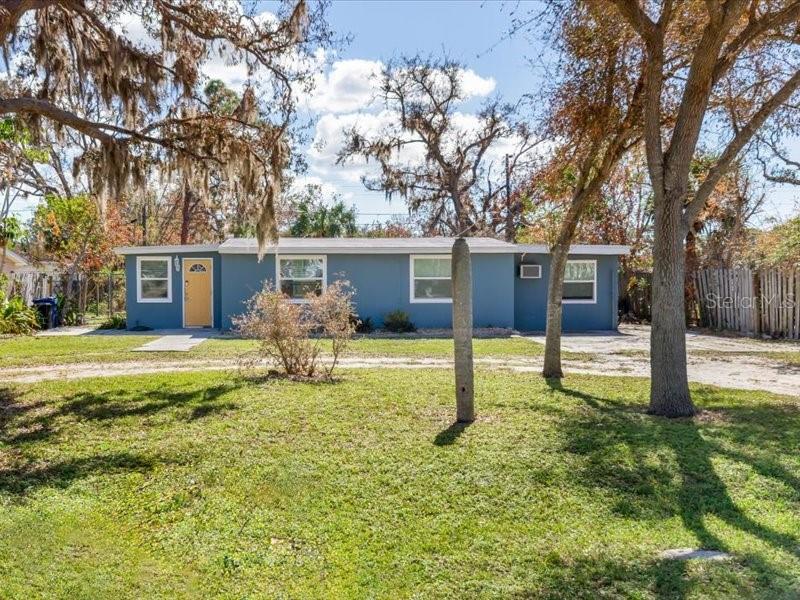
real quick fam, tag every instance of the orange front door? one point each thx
(197, 292)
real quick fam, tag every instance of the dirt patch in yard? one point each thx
(734, 371)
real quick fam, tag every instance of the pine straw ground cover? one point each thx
(206, 485)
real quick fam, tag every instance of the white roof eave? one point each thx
(173, 249)
(577, 249)
(362, 246)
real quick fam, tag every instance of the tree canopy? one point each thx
(136, 110)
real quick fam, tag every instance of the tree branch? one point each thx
(739, 141)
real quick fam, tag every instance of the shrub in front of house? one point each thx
(114, 322)
(16, 318)
(291, 335)
(398, 321)
(363, 325)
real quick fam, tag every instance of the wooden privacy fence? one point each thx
(753, 302)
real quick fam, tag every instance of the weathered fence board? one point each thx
(763, 302)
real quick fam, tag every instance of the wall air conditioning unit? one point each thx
(530, 271)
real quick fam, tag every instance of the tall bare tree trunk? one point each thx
(669, 387)
(462, 330)
(555, 286)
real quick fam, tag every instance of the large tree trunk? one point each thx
(555, 293)
(462, 330)
(555, 285)
(669, 386)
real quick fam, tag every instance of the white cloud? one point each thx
(353, 85)
(227, 67)
(130, 26)
(474, 85)
(350, 85)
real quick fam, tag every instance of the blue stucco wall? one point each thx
(167, 315)
(530, 297)
(381, 283)
(243, 276)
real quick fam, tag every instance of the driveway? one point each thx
(721, 360)
(724, 361)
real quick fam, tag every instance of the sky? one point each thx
(471, 32)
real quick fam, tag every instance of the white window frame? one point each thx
(168, 299)
(279, 257)
(411, 278)
(594, 283)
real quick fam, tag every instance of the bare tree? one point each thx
(695, 56)
(69, 56)
(440, 165)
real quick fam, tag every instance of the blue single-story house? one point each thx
(206, 285)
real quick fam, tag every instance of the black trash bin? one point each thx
(48, 309)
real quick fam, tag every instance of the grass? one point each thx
(201, 484)
(33, 351)
(25, 351)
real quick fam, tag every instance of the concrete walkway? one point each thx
(176, 342)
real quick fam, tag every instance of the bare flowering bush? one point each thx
(291, 335)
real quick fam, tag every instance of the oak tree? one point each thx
(140, 105)
(725, 67)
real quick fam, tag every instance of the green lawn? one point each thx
(201, 484)
(31, 351)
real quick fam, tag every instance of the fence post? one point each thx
(110, 295)
(758, 302)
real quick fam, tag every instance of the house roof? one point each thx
(17, 258)
(169, 249)
(434, 245)
(429, 245)
(596, 249)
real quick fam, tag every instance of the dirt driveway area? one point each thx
(725, 361)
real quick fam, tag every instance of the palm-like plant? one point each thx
(319, 220)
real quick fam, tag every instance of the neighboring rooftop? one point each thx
(422, 245)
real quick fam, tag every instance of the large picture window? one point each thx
(580, 282)
(153, 279)
(430, 279)
(299, 276)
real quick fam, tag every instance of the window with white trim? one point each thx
(299, 276)
(580, 282)
(153, 279)
(430, 279)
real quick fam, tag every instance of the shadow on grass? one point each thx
(657, 467)
(21, 480)
(448, 436)
(127, 403)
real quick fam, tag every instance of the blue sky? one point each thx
(474, 33)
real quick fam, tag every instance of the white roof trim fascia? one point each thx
(597, 250)
(578, 249)
(123, 250)
(329, 250)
